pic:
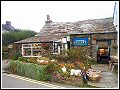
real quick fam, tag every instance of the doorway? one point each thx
(103, 50)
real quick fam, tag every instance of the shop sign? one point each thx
(80, 41)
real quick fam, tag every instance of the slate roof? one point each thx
(55, 30)
(40, 39)
(85, 26)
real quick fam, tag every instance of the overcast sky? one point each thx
(32, 14)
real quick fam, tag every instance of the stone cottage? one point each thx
(60, 36)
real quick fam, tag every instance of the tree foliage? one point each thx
(11, 37)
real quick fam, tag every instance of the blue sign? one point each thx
(80, 41)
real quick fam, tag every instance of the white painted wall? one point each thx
(116, 20)
(68, 38)
(116, 15)
(64, 40)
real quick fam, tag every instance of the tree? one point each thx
(11, 37)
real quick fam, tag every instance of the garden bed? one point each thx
(60, 68)
(41, 72)
(72, 80)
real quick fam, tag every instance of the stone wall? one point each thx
(92, 47)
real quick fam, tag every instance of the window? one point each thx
(29, 50)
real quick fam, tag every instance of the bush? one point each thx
(32, 59)
(12, 67)
(16, 55)
(43, 58)
(4, 55)
(5, 52)
(22, 59)
(30, 70)
(61, 58)
(52, 68)
(72, 55)
(76, 54)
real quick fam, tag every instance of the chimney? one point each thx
(48, 19)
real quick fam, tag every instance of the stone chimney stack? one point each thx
(48, 19)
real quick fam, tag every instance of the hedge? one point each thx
(34, 71)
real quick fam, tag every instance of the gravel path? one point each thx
(108, 80)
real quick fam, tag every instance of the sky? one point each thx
(32, 14)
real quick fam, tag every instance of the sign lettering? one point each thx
(80, 41)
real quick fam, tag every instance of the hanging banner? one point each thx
(80, 41)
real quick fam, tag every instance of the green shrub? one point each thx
(72, 55)
(12, 66)
(32, 59)
(5, 52)
(16, 55)
(30, 70)
(4, 55)
(21, 68)
(76, 54)
(22, 59)
(50, 68)
(61, 58)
